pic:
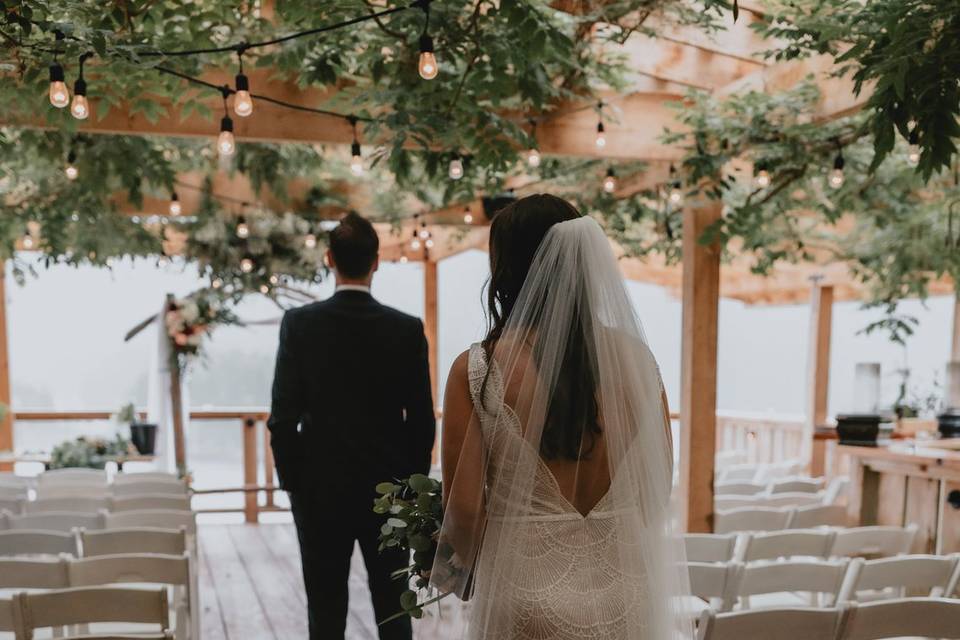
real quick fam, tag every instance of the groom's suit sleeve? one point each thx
(286, 408)
(421, 419)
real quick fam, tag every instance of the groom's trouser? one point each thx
(327, 526)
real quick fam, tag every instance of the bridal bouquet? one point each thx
(187, 320)
(414, 514)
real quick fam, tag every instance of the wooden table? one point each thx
(908, 482)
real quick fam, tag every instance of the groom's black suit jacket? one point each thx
(352, 403)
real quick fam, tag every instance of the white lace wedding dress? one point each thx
(569, 583)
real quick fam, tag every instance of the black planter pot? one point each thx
(144, 437)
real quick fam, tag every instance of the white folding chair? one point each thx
(923, 617)
(900, 576)
(770, 624)
(10, 479)
(709, 547)
(818, 515)
(8, 622)
(836, 489)
(12, 505)
(91, 605)
(725, 503)
(738, 473)
(33, 573)
(738, 488)
(730, 457)
(27, 542)
(145, 476)
(160, 518)
(73, 476)
(777, 470)
(175, 502)
(789, 543)
(821, 579)
(797, 485)
(76, 504)
(714, 584)
(56, 521)
(13, 492)
(750, 519)
(72, 491)
(134, 540)
(155, 487)
(873, 541)
(173, 570)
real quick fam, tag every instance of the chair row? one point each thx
(11, 492)
(83, 543)
(775, 518)
(736, 585)
(876, 541)
(80, 475)
(66, 521)
(923, 617)
(759, 472)
(26, 612)
(174, 571)
(798, 484)
(88, 504)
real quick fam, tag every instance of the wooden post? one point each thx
(955, 344)
(268, 467)
(698, 404)
(818, 371)
(6, 425)
(250, 506)
(430, 321)
(176, 407)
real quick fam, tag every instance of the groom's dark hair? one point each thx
(354, 245)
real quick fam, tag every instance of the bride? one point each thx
(556, 449)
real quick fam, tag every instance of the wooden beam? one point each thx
(955, 342)
(818, 372)
(698, 370)
(6, 425)
(430, 323)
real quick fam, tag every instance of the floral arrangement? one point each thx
(414, 511)
(91, 453)
(188, 320)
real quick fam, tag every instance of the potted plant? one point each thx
(142, 434)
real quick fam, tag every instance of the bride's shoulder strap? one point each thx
(476, 371)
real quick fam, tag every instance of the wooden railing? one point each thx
(764, 437)
(251, 420)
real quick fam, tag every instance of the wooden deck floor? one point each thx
(251, 588)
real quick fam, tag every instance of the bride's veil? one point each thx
(573, 396)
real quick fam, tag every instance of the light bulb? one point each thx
(468, 217)
(762, 179)
(243, 229)
(226, 145)
(415, 244)
(676, 195)
(533, 158)
(836, 178)
(59, 96)
(175, 208)
(428, 243)
(246, 265)
(403, 259)
(274, 278)
(427, 66)
(424, 232)
(242, 102)
(610, 181)
(356, 160)
(264, 289)
(27, 241)
(310, 241)
(601, 140)
(456, 169)
(79, 108)
(217, 283)
(913, 155)
(71, 172)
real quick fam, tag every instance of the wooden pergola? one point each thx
(663, 68)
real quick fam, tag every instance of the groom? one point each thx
(351, 408)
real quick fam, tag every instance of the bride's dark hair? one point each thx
(515, 235)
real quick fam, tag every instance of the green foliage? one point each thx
(414, 512)
(92, 453)
(906, 53)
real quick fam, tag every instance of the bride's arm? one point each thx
(462, 463)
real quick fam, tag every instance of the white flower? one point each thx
(195, 339)
(190, 312)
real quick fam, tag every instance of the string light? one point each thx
(415, 243)
(467, 216)
(243, 229)
(246, 265)
(59, 96)
(403, 259)
(761, 177)
(913, 151)
(71, 168)
(226, 145)
(428, 243)
(217, 283)
(356, 160)
(836, 177)
(427, 65)
(27, 240)
(533, 155)
(274, 279)
(310, 241)
(601, 140)
(264, 289)
(175, 208)
(424, 232)
(80, 108)
(456, 168)
(610, 181)
(242, 102)
(676, 195)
